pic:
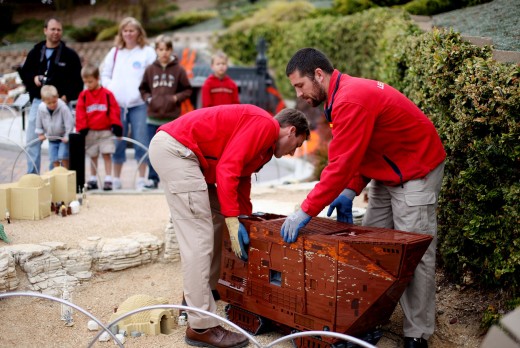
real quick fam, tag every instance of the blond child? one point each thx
(54, 122)
(219, 88)
(97, 118)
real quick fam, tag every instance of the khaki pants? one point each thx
(412, 208)
(197, 222)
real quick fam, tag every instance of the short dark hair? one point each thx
(296, 118)
(46, 23)
(307, 60)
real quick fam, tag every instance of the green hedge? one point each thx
(473, 101)
(417, 7)
(240, 39)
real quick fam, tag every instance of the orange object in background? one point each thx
(188, 60)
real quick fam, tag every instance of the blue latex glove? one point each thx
(243, 239)
(238, 236)
(292, 225)
(343, 206)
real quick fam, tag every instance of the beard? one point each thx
(317, 96)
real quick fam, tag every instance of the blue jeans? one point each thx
(152, 174)
(58, 151)
(134, 118)
(33, 148)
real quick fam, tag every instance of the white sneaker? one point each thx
(140, 185)
(116, 184)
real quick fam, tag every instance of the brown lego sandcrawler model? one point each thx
(336, 277)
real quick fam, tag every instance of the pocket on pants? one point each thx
(189, 199)
(422, 209)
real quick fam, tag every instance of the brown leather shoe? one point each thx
(215, 337)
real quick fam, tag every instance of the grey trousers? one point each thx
(197, 221)
(412, 208)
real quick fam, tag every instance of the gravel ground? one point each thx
(498, 20)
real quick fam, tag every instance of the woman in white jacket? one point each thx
(122, 72)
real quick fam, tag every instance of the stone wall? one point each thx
(52, 265)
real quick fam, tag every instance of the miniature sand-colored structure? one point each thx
(63, 184)
(152, 322)
(29, 198)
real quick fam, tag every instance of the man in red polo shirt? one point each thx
(378, 135)
(206, 159)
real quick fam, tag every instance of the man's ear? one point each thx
(319, 75)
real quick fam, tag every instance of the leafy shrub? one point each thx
(428, 7)
(181, 20)
(90, 32)
(239, 41)
(432, 7)
(347, 7)
(231, 15)
(474, 103)
(417, 7)
(30, 30)
(480, 214)
(158, 12)
(351, 42)
(108, 33)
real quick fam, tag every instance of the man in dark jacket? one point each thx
(50, 62)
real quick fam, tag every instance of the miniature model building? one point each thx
(151, 322)
(63, 184)
(336, 277)
(28, 199)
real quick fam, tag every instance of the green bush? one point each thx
(158, 12)
(108, 33)
(481, 233)
(178, 21)
(347, 7)
(351, 42)
(30, 30)
(231, 15)
(428, 7)
(417, 7)
(239, 41)
(474, 103)
(90, 32)
(432, 7)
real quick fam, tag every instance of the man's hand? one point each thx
(238, 236)
(293, 224)
(343, 206)
(37, 80)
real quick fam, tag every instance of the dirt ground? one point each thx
(36, 322)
